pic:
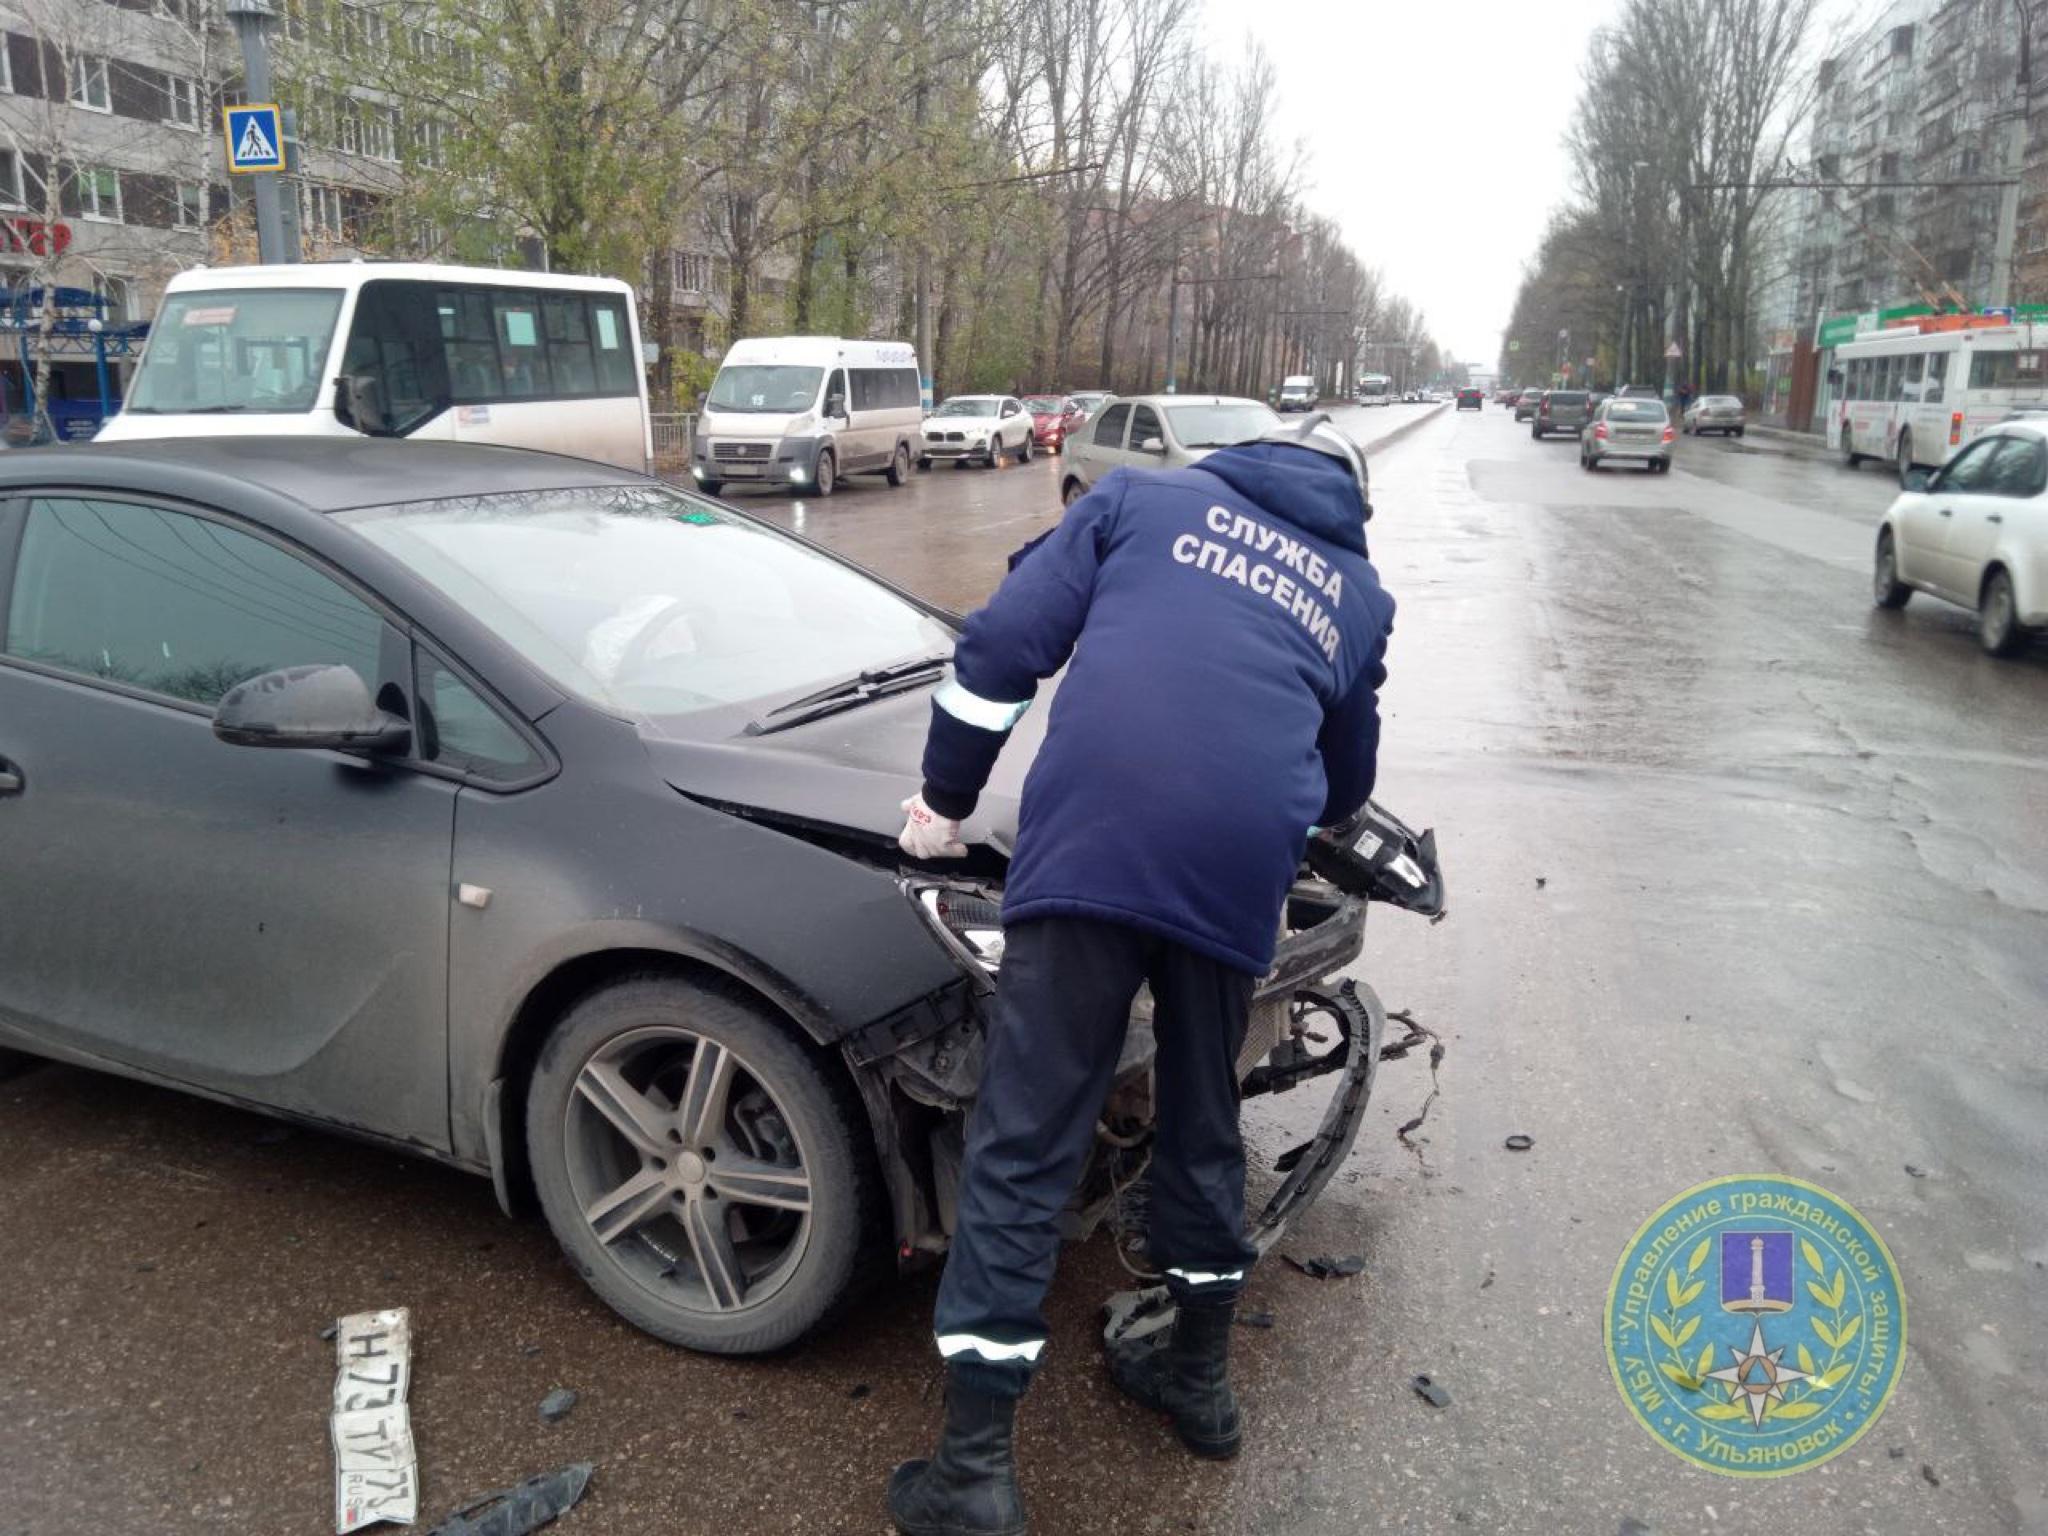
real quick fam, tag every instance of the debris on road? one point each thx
(1927, 1472)
(1131, 1316)
(1916, 1172)
(1254, 1319)
(1631, 1526)
(1324, 1267)
(1541, 881)
(376, 1471)
(516, 1511)
(1898, 1453)
(327, 1334)
(556, 1405)
(1396, 1050)
(1519, 1142)
(860, 1390)
(1430, 1392)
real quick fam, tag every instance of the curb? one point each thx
(1796, 442)
(1390, 438)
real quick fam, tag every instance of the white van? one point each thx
(1298, 392)
(800, 411)
(395, 349)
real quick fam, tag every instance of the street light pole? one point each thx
(252, 20)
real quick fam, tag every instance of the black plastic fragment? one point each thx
(1928, 1472)
(1287, 1161)
(1324, 1267)
(1631, 1526)
(556, 1405)
(1915, 1171)
(1519, 1142)
(518, 1510)
(1430, 1392)
(860, 1390)
(1254, 1319)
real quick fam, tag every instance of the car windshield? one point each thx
(236, 349)
(1635, 410)
(774, 387)
(649, 603)
(1565, 397)
(1044, 405)
(1219, 423)
(968, 405)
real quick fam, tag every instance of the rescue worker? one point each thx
(1223, 633)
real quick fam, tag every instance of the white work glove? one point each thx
(928, 835)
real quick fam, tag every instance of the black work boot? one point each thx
(1188, 1377)
(969, 1487)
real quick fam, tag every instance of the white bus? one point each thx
(1376, 389)
(801, 411)
(1915, 393)
(395, 349)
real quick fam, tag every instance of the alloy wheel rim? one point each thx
(688, 1170)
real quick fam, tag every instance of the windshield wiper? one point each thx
(199, 410)
(850, 693)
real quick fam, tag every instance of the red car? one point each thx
(1052, 418)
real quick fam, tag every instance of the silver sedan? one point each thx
(1715, 413)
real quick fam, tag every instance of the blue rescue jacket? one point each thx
(1223, 634)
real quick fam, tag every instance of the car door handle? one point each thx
(1994, 517)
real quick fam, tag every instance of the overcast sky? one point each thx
(1433, 132)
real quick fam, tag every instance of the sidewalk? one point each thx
(1784, 440)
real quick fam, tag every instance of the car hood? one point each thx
(959, 423)
(849, 772)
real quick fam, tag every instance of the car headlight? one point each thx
(968, 921)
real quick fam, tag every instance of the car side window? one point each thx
(174, 604)
(1109, 432)
(460, 731)
(1144, 427)
(2019, 469)
(1966, 471)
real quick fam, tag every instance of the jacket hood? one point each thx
(1298, 485)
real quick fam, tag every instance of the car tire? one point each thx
(827, 476)
(1072, 491)
(710, 487)
(1999, 629)
(923, 463)
(995, 454)
(1850, 457)
(1738, 431)
(646, 1034)
(1886, 590)
(1905, 458)
(899, 467)
(1024, 449)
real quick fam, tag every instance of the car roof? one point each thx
(321, 474)
(1157, 400)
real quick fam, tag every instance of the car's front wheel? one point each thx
(1072, 492)
(1886, 590)
(899, 467)
(1024, 449)
(699, 1166)
(827, 475)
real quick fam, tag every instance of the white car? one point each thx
(976, 427)
(1975, 532)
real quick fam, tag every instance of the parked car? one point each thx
(1298, 392)
(1158, 431)
(977, 428)
(1089, 401)
(1626, 428)
(798, 411)
(1052, 418)
(1526, 403)
(539, 818)
(1975, 532)
(1714, 413)
(1471, 400)
(1560, 410)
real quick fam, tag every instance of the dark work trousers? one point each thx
(1061, 1007)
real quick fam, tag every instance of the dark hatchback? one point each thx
(539, 818)
(1471, 399)
(1561, 410)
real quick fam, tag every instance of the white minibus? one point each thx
(1915, 393)
(395, 349)
(801, 411)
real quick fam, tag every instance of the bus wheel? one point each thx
(1905, 457)
(1850, 456)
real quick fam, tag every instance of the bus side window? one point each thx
(568, 327)
(471, 343)
(1937, 366)
(522, 354)
(396, 340)
(1911, 371)
(617, 368)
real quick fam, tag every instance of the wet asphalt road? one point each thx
(1745, 877)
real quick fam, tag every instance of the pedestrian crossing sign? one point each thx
(255, 135)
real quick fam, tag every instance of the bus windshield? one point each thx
(764, 387)
(236, 349)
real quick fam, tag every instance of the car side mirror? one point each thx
(835, 405)
(359, 403)
(1152, 445)
(1917, 480)
(308, 707)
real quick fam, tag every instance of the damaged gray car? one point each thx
(539, 818)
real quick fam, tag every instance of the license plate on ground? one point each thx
(376, 1471)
